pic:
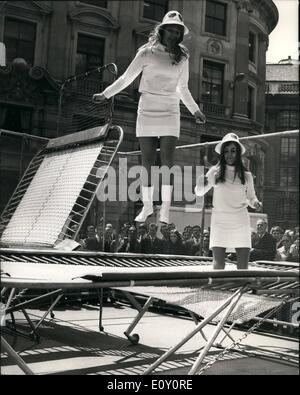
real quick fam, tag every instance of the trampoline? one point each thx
(44, 215)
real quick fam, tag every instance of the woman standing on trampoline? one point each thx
(233, 192)
(164, 64)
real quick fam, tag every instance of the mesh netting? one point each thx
(41, 214)
(76, 110)
(204, 301)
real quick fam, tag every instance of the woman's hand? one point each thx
(199, 117)
(257, 205)
(99, 98)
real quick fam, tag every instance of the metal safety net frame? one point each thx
(56, 191)
(76, 110)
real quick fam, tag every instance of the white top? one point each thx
(159, 76)
(231, 195)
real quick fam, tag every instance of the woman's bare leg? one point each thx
(148, 147)
(219, 257)
(242, 257)
(167, 153)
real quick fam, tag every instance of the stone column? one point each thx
(261, 72)
(57, 40)
(241, 60)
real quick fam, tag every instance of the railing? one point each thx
(218, 110)
(282, 88)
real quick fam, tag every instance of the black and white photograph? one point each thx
(149, 190)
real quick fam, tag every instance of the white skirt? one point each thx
(230, 229)
(158, 115)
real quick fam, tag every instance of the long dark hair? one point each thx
(239, 168)
(179, 51)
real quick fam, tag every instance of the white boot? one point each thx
(166, 197)
(147, 197)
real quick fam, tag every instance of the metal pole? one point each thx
(257, 136)
(15, 356)
(60, 108)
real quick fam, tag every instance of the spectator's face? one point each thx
(100, 230)
(291, 234)
(185, 236)
(173, 237)
(109, 228)
(261, 227)
(171, 227)
(277, 235)
(142, 231)
(189, 232)
(91, 231)
(196, 232)
(164, 230)
(153, 230)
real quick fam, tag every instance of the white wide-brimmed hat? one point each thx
(229, 137)
(174, 18)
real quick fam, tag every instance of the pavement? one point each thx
(71, 344)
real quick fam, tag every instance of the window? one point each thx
(90, 53)
(252, 47)
(155, 9)
(286, 210)
(19, 39)
(288, 176)
(16, 119)
(288, 119)
(98, 3)
(288, 149)
(212, 82)
(215, 17)
(250, 103)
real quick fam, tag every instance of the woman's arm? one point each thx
(206, 182)
(133, 70)
(183, 90)
(250, 192)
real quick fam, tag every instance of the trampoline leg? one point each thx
(191, 334)
(197, 322)
(11, 295)
(49, 310)
(142, 311)
(100, 297)
(227, 334)
(16, 357)
(218, 329)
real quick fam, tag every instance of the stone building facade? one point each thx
(228, 41)
(281, 192)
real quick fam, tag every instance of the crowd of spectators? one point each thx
(278, 245)
(146, 239)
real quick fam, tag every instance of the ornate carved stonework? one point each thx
(215, 47)
(91, 17)
(33, 86)
(244, 5)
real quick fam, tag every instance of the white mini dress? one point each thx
(230, 220)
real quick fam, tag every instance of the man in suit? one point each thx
(263, 244)
(151, 244)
